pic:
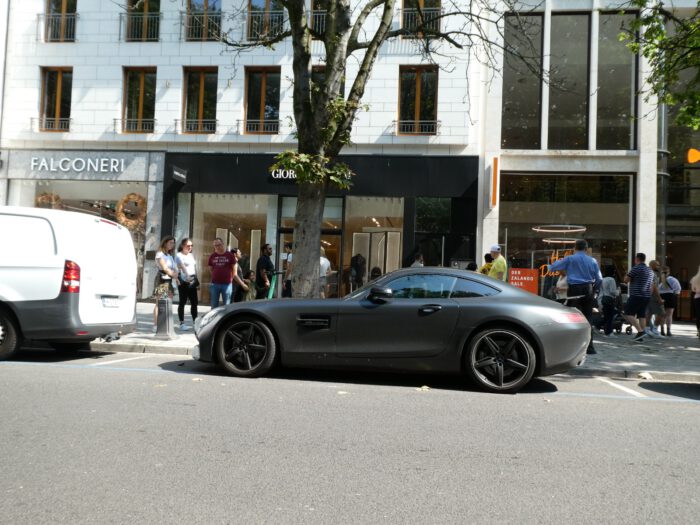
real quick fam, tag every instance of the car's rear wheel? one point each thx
(500, 360)
(245, 347)
(9, 336)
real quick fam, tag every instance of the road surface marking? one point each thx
(118, 360)
(620, 387)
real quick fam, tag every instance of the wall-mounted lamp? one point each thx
(167, 83)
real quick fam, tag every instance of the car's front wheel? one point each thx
(9, 336)
(245, 347)
(500, 360)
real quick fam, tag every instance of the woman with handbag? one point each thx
(608, 298)
(187, 265)
(167, 276)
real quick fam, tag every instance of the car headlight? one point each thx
(212, 315)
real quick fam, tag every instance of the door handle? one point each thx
(430, 309)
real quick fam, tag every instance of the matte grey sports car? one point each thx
(419, 319)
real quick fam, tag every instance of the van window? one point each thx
(28, 235)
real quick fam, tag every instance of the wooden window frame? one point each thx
(421, 6)
(200, 103)
(266, 19)
(263, 90)
(59, 93)
(205, 25)
(144, 22)
(142, 81)
(416, 113)
(64, 15)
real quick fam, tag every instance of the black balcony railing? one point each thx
(417, 127)
(318, 21)
(58, 27)
(265, 24)
(263, 127)
(204, 126)
(421, 20)
(51, 124)
(202, 26)
(128, 125)
(140, 27)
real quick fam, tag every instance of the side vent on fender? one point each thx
(314, 321)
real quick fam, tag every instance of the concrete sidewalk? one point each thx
(674, 358)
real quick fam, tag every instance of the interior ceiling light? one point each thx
(559, 240)
(559, 228)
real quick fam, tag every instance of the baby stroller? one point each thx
(618, 319)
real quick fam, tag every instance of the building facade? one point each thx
(138, 113)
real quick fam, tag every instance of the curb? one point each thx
(649, 375)
(140, 348)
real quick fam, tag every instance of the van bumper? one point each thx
(58, 320)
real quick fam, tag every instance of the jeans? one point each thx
(216, 289)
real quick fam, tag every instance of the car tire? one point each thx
(500, 360)
(245, 347)
(10, 340)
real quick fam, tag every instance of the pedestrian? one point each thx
(561, 288)
(324, 272)
(224, 271)
(695, 288)
(670, 289)
(584, 279)
(287, 285)
(238, 293)
(488, 262)
(264, 270)
(472, 267)
(499, 267)
(417, 260)
(166, 278)
(189, 283)
(608, 299)
(252, 292)
(656, 309)
(640, 280)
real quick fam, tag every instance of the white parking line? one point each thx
(620, 387)
(119, 360)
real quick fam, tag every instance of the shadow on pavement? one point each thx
(49, 355)
(686, 390)
(438, 382)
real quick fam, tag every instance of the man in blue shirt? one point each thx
(584, 278)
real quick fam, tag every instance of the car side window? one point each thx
(422, 286)
(465, 288)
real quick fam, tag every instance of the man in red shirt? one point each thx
(224, 270)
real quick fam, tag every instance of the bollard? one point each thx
(165, 329)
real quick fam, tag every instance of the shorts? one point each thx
(636, 306)
(670, 300)
(163, 287)
(656, 307)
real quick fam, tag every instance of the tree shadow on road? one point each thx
(686, 390)
(45, 354)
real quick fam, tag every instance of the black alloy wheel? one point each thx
(245, 347)
(500, 360)
(10, 339)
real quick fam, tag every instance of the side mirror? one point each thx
(380, 295)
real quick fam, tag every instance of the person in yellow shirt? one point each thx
(499, 267)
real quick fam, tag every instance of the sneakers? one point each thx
(650, 332)
(184, 327)
(639, 337)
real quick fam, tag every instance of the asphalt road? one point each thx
(125, 438)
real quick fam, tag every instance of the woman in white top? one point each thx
(695, 288)
(187, 265)
(166, 278)
(608, 297)
(669, 289)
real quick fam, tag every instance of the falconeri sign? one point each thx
(77, 164)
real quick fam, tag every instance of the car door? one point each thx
(417, 321)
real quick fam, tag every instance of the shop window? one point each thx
(418, 100)
(318, 77)
(265, 19)
(57, 85)
(142, 21)
(419, 17)
(60, 20)
(139, 100)
(568, 87)
(522, 87)
(617, 81)
(433, 214)
(200, 100)
(262, 101)
(203, 20)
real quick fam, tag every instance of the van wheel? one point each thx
(9, 336)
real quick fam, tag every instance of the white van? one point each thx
(65, 278)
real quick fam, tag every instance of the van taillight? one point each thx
(71, 277)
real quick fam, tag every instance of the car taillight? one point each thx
(71, 277)
(568, 317)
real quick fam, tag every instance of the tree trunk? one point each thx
(307, 240)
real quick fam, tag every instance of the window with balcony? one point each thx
(203, 20)
(141, 22)
(317, 22)
(139, 100)
(418, 100)
(55, 98)
(200, 100)
(421, 16)
(265, 19)
(262, 101)
(59, 20)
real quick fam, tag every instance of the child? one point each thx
(249, 279)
